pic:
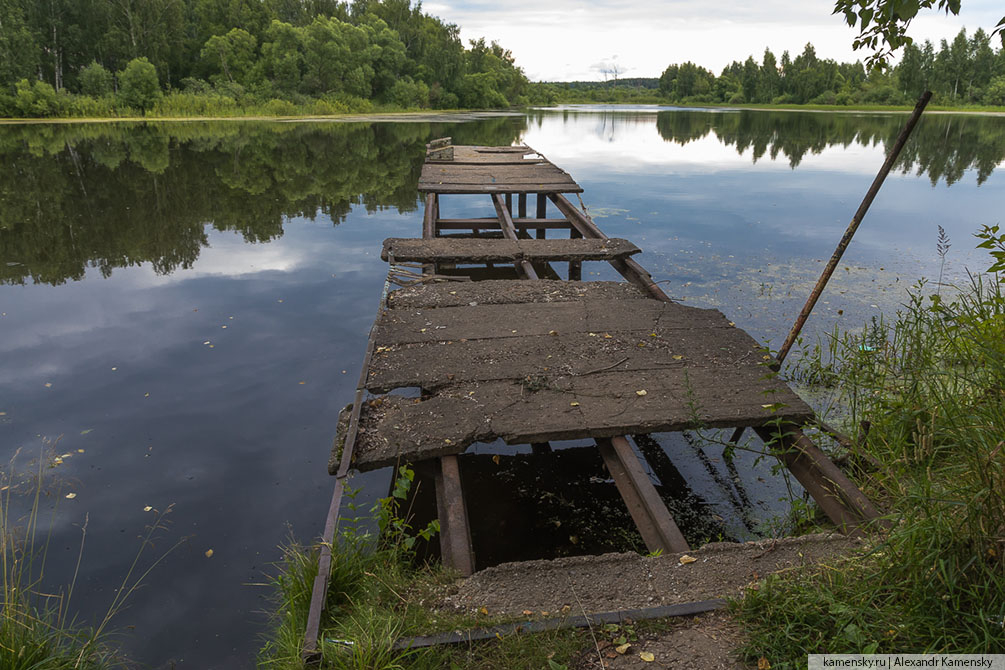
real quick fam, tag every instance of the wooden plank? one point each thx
(501, 320)
(432, 365)
(544, 409)
(647, 510)
(501, 292)
(481, 250)
(493, 224)
(429, 216)
(458, 553)
(448, 188)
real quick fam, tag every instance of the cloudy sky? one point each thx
(569, 40)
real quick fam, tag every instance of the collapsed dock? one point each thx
(541, 356)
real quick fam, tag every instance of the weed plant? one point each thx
(926, 402)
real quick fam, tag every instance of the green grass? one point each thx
(931, 384)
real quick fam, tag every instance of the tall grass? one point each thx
(926, 395)
(38, 630)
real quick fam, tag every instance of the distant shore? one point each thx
(430, 116)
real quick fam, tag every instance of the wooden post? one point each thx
(521, 200)
(455, 532)
(651, 516)
(542, 213)
(575, 267)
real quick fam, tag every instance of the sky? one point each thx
(566, 40)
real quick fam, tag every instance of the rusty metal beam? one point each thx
(650, 514)
(838, 497)
(455, 532)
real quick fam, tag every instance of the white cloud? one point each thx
(564, 40)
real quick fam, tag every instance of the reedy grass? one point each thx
(931, 386)
(37, 628)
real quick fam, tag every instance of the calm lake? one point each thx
(184, 308)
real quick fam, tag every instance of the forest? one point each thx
(967, 71)
(227, 57)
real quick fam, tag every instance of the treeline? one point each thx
(965, 72)
(186, 57)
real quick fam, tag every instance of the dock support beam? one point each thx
(455, 532)
(657, 527)
(838, 497)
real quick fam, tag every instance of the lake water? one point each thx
(184, 308)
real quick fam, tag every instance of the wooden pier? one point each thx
(548, 358)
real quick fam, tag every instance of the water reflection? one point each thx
(942, 147)
(109, 196)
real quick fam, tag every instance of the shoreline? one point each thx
(470, 115)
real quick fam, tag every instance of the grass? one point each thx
(37, 627)
(931, 388)
(379, 593)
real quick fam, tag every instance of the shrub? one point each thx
(96, 81)
(36, 99)
(408, 93)
(825, 98)
(995, 92)
(277, 107)
(139, 87)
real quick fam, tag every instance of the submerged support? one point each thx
(838, 497)
(455, 532)
(657, 527)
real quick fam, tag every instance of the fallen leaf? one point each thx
(80, 451)
(86, 431)
(223, 326)
(565, 609)
(114, 369)
(57, 460)
(71, 496)
(766, 357)
(48, 385)
(496, 459)
(573, 404)
(607, 336)
(207, 342)
(302, 383)
(623, 648)
(447, 440)
(146, 395)
(550, 332)
(209, 553)
(527, 613)
(483, 609)
(763, 664)
(641, 392)
(147, 508)
(647, 656)
(685, 559)
(678, 357)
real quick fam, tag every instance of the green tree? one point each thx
(139, 87)
(769, 80)
(883, 24)
(230, 57)
(18, 49)
(95, 80)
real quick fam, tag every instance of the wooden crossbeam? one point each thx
(651, 517)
